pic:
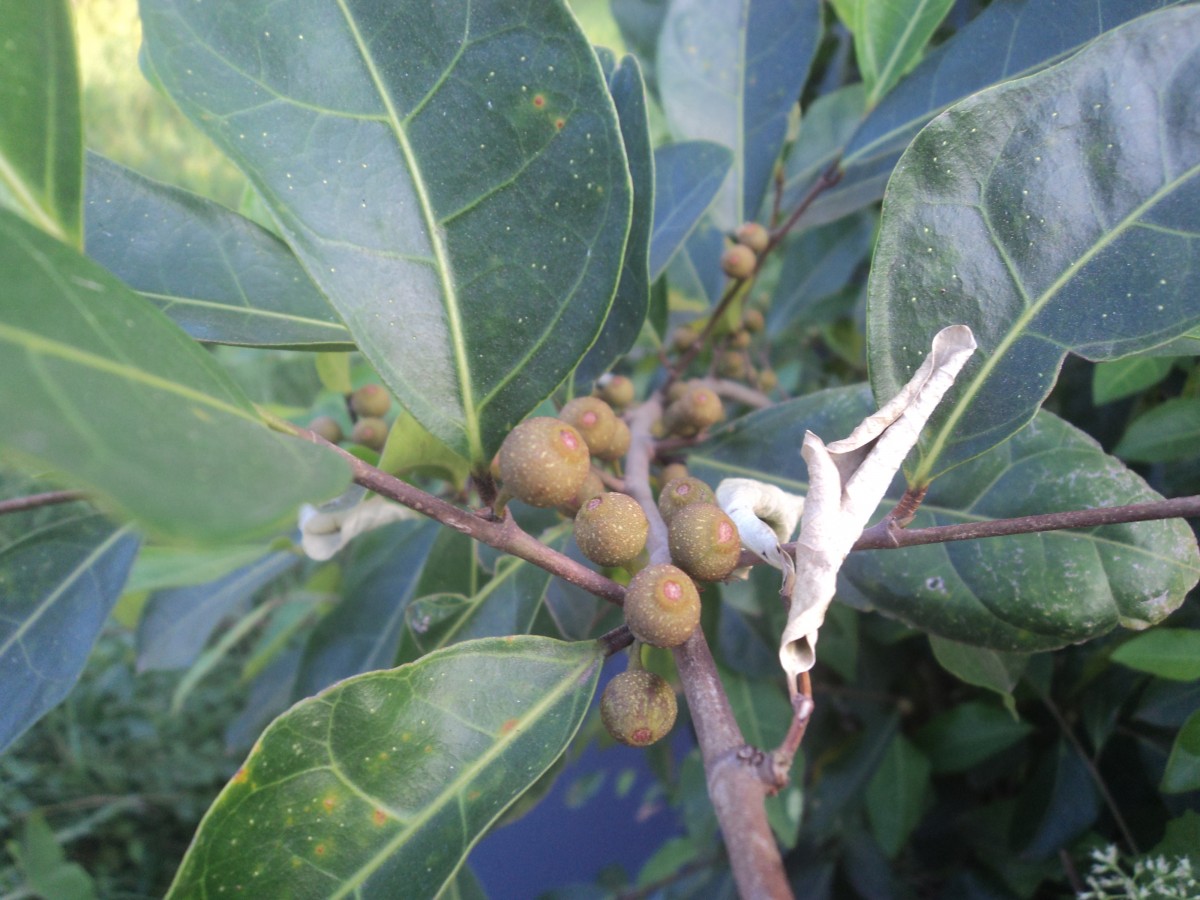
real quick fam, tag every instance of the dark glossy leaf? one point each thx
(843, 781)
(730, 72)
(104, 389)
(177, 623)
(1059, 804)
(897, 794)
(889, 39)
(1124, 377)
(1009, 39)
(1183, 765)
(1168, 703)
(57, 586)
(1017, 593)
(1172, 653)
(687, 176)
(1052, 214)
(380, 785)
(363, 631)
(628, 312)
(216, 274)
(967, 734)
(1167, 432)
(453, 179)
(41, 135)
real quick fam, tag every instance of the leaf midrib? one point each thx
(441, 257)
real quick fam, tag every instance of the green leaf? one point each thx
(380, 785)
(57, 587)
(687, 176)
(1124, 377)
(453, 180)
(41, 135)
(1017, 593)
(816, 264)
(897, 794)
(1167, 432)
(165, 567)
(177, 623)
(1008, 40)
(966, 735)
(1183, 765)
(363, 631)
(992, 669)
(1058, 804)
(827, 124)
(45, 866)
(100, 385)
(216, 274)
(334, 371)
(889, 38)
(1172, 653)
(640, 22)
(730, 73)
(410, 449)
(1052, 214)
(632, 301)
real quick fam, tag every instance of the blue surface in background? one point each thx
(559, 842)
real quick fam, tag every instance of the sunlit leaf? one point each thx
(1016, 593)
(1167, 432)
(730, 72)
(1051, 214)
(57, 587)
(218, 275)
(1124, 377)
(380, 785)
(452, 178)
(41, 136)
(99, 384)
(889, 38)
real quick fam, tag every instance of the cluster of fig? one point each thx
(692, 407)
(367, 407)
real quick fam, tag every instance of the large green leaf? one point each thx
(57, 587)
(219, 276)
(1165, 433)
(897, 794)
(1009, 39)
(1021, 592)
(1172, 653)
(104, 389)
(629, 307)
(380, 785)
(452, 177)
(889, 38)
(41, 137)
(730, 72)
(1057, 213)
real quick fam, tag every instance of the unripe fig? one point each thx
(611, 529)
(619, 445)
(754, 236)
(732, 364)
(740, 339)
(753, 320)
(739, 261)
(662, 605)
(704, 541)
(544, 461)
(671, 471)
(638, 708)
(767, 380)
(681, 492)
(593, 486)
(677, 390)
(697, 409)
(616, 390)
(327, 427)
(371, 400)
(684, 336)
(370, 432)
(594, 419)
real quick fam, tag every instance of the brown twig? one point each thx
(505, 535)
(734, 786)
(34, 501)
